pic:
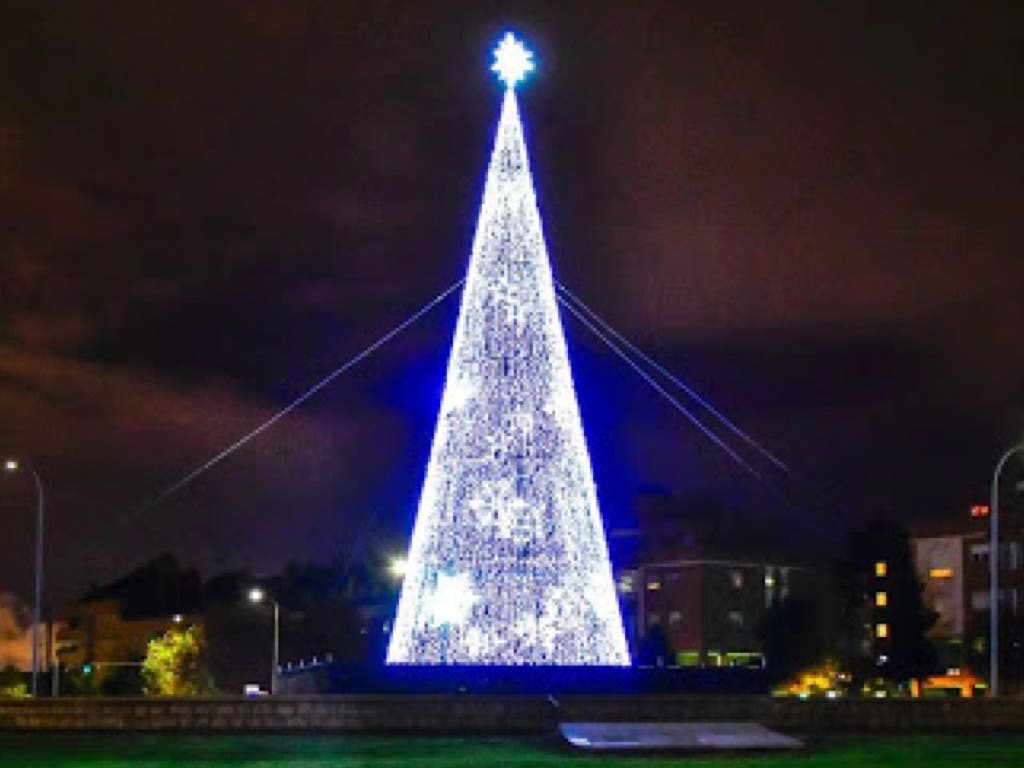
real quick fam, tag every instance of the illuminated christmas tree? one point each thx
(508, 563)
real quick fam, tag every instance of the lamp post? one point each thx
(993, 574)
(258, 595)
(12, 465)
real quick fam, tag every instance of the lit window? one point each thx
(881, 568)
(940, 573)
(736, 577)
(979, 510)
(881, 599)
(881, 630)
(653, 585)
(674, 618)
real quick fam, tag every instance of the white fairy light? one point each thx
(508, 563)
(452, 599)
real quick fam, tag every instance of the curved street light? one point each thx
(258, 595)
(13, 465)
(993, 574)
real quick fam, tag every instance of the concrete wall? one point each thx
(501, 714)
(336, 713)
(807, 717)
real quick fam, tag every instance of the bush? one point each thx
(175, 664)
(13, 683)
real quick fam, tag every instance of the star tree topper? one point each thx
(512, 61)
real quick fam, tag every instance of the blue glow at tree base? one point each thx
(508, 563)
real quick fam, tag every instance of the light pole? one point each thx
(258, 595)
(12, 465)
(993, 573)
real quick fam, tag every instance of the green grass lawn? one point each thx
(130, 751)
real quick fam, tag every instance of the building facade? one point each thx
(96, 638)
(708, 610)
(952, 562)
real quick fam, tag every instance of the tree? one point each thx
(791, 637)
(655, 649)
(122, 681)
(175, 664)
(883, 636)
(508, 562)
(13, 683)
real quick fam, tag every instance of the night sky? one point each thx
(808, 212)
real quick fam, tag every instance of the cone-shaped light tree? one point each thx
(508, 563)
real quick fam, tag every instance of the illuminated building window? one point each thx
(653, 585)
(674, 618)
(769, 587)
(881, 599)
(940, 573)
(979, 510)
(881, 568)
(736, 578)
(688, 658)
(881, 630)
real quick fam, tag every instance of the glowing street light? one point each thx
(258, 595)
(13, 465)
(397, 567)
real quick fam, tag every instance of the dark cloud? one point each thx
(810, 213)
(106, 439)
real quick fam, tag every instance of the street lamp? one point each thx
(258, 595)
(13, 465)
(993, 574)
(396, 567)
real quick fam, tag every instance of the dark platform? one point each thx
(335, 678)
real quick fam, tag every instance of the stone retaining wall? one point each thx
(808, 717)
(501, 714)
